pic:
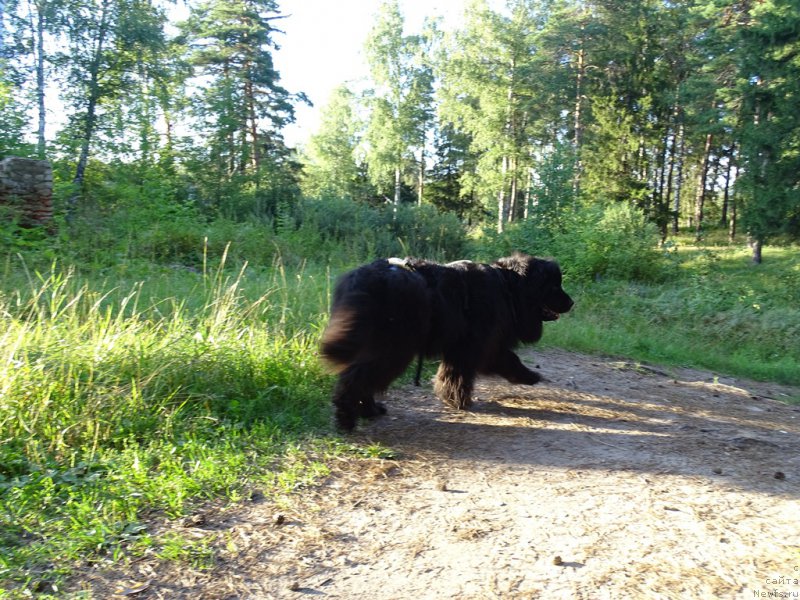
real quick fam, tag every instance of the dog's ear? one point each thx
(552, 269)
(542, 270)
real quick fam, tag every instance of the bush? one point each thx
(593, 242)
(617, 242)
(346, 232)
(171, 241)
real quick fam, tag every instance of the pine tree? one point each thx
(453, 165)
(243, 107)
(769, 76)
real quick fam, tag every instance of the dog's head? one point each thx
(542, 294)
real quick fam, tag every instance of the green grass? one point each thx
(721, 312)
(134, 389)
(120, 401)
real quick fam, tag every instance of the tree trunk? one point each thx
(397, 186)
(679, 181)
(733, 220)
(512, 196)
(2, 26)
(756, 245)
(577, 123)
(167, 155)
(421, 175)
(701, 188)
(669, 178)
(502, 206)
(255, 158)
(526, 196)
(90, 120)
(41, 142)
(727, 192)
(660, 201)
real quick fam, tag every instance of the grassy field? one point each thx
(144, 389)
(720, 312)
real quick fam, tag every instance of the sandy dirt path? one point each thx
(610, 480)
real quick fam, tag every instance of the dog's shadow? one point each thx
(558, 427)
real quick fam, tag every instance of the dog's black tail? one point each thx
(341, 340)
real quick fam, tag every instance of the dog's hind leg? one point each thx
(350, 397)
(354, 395)
(418, 372)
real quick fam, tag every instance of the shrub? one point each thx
(592, 242)
(345, 231)
(617, 242)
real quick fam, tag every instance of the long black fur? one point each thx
(470, 314)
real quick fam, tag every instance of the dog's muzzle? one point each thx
(549, 315)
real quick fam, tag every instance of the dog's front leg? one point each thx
(453, 385)
(510, 367)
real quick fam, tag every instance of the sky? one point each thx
(323, 46)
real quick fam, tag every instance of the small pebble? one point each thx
(779, 475)
(558, 561)
(718, 471)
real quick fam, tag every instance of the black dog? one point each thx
(470, 314)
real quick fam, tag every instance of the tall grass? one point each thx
(115, 402)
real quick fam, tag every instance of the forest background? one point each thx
(159, 340)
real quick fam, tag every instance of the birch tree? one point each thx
(401, 103)
(104, 37)
(492, 91)
(331, 165)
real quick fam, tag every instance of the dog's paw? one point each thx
(370, 410)
(459, 403)
(532, 378)
(345, 422)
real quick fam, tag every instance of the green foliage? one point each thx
(616, 242)
(498, 102)
(593, 243)
(719, 312)
(231, 44)
(331, 168)
(402, 103)
(347, 232)
(446, 189)
(12, 120)
(763, 91)
(140, 378)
